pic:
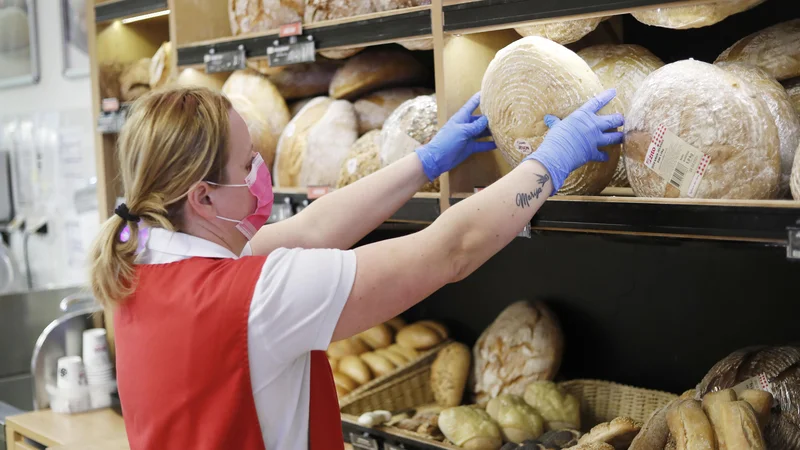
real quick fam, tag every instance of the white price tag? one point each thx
(682, 165)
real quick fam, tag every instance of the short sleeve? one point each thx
(297, 302)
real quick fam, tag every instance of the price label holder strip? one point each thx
(216, 62)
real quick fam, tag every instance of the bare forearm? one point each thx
(477, 228)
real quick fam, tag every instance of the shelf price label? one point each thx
(315, 192)
(294, 50)
(793, 244)
(111, 120)
(225, 61)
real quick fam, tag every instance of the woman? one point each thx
(221, 324)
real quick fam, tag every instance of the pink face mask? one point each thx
(260, 184)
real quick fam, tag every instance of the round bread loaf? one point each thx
(196, 78)
(161, 65)
(781, 365)
(272, 113)
(376, 69)
(522, 345)
(534, 77)
(411, 125)
(713, 112)
(375, 108)
(261, 134)
(322, 10)
(249, 16)
(775, 49)
(262, 66)
(135, 80)
(563, 32)
(781, 109)
(794, 183)
(623, 67)
(314, 145)
(421, 44)
(696, 16)
(363, 159)
(305, 80)
(793, 89)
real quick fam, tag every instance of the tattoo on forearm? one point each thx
(524, 198)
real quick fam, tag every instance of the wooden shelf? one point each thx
(121, 9)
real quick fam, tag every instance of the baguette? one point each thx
(739, 426)
(690, 426)
(761, 401)
(711, 405)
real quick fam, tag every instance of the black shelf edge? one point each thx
(387, 28)
(742, 223)
(126, 8)
(499, 12)
(417, 211)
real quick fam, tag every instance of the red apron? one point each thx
(182, 360)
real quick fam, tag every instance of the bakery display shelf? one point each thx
(372, 29)
(127, 8)
(731, 220)
(483, 15)
(374, 438)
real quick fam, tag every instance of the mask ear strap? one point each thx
(226, 185)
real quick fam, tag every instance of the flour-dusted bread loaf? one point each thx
(272, 112)
(623, 67)
(322, 10)
(161, 66)
(376, 69)
(794, 183)
(562, 32)
(522, 345)
(249, 16)
(696, 16)
(775, 49)
(314, 145)
(305, 80)
(420, 44)
(196, 78)
(781, 365)
(780, 107)
(261, 132)
(411, 125)
(135, 80)
(793, 89)
(534, 77)
(362, 160)
(388, 5)
(373, 109)
(701, 110)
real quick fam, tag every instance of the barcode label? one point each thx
(677, 162)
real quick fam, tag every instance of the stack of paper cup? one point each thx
(71, 393)
(99, 371)
(71, 373)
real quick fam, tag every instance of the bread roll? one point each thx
(418, 337)
(162, 66)
(690, 427)
(714, 113)
(362, 160)
(522, 345)
(250, 16)
(655, 431)
(781, 110)
(396, 358)
(396, 323)
(135, 80)
(379, 365)
(449, 374)
(739, 427)
(712, 407)
(334, 363)
(562, 32)
(408, 353)
(696, 16)
(533, 77)
(793, 89)
(355, 368)
(774, 49)
(412, 124)
(344, 384)
(376, 69)
(518, 420)
(592, 446)
(375, 108)
(470, 428)
(761, 401)
(261, 132)
(196, 78)
(438, 327)
(379, 336)
(315, 144)
(347, 347)
(623, 67)
(619, 433)
(558, 408)
(305, 80)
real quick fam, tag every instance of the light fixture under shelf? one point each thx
(145, 16)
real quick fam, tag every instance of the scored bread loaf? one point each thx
(449, 374)
(135, 80)
(305, 80)
(373, 109)
(362, 160)
(775, 49)
(534, 77)
(793, 89)
(161, 66)
(683, 17)
(376, 69)
(705, 112)
(411, 125)
(196, 78)
(314, 145)
(623, 67)
(690, 426)
(780, 107)
(562, 32)
(522, 345)
(261, 131)
(249, 16)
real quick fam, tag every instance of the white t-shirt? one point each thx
(296, 304)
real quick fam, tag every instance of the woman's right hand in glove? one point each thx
(573, 142)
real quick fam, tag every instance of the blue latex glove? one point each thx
(455, 141)
(573, 142)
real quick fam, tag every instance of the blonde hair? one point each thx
(172, 139)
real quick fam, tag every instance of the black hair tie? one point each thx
(122, 211)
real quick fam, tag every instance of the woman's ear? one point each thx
(199, 201)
